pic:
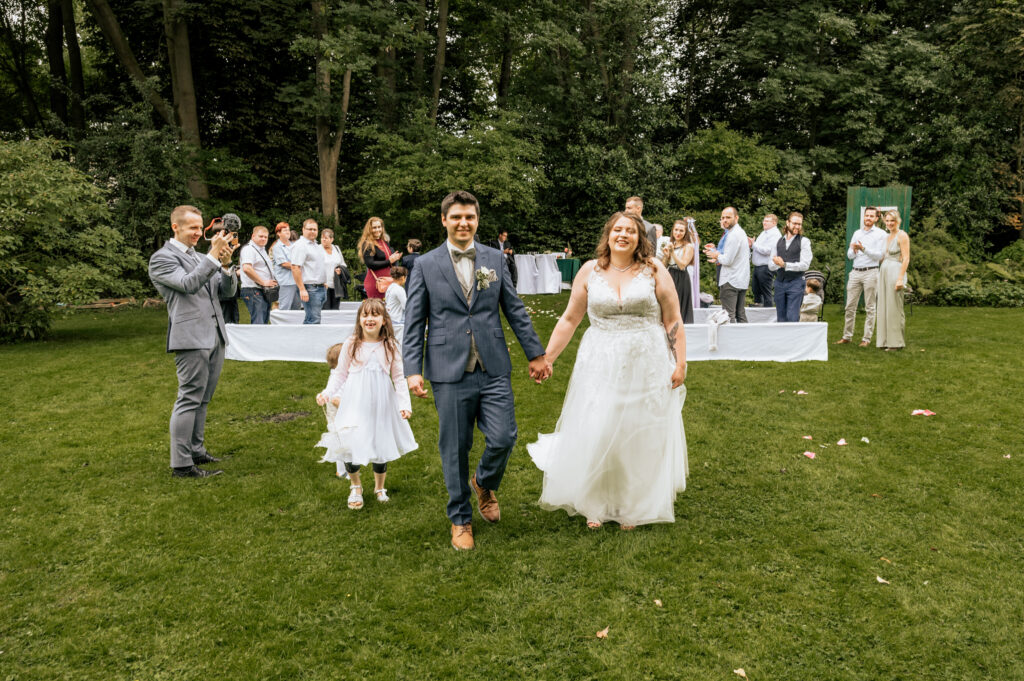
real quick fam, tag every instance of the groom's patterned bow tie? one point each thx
(468, 253)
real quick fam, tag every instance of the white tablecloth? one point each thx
(790, 342)
(755, 315)
(538, 274)
(342, 316)
(795, 342)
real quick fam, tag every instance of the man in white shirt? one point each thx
(867, 247)
(256, 274)
(761, 251)
(792, 258)
(635, 206)
(308, 267)
(734, 277)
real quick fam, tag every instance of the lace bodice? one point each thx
(637, 309)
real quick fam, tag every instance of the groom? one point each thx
(458, 289)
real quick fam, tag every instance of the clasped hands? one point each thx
(540, 369)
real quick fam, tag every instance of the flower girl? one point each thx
(368, 388)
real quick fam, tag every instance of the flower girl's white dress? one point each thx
(368, 427)
(618, 452)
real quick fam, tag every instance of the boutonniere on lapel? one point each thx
(484, 277)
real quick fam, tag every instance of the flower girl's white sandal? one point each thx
(382, 495)
(355, 497)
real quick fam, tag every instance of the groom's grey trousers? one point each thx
(488, 401)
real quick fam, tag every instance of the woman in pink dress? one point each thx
(377, 255)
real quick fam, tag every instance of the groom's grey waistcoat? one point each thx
(436, 298)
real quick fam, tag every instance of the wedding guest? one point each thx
(867, 247)
(394, 300)
(505, 246)
(733, 254)
(635, 206)
(761, 251)
(678, 257)
(280, 254)
(257, 273)
(196, 333)
(377, 255)
(691, 226)
(228, 301)
(309, 270)
(328, 440)
(333, 262)
(792, 258)
(811, 304)
(369, 388)
(618, 452)
(892, 281)
(413, 248)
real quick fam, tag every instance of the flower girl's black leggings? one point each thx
(377, 467)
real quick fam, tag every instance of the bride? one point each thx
(618, 452)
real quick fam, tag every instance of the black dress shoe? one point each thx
(193, 472)
(200, 459)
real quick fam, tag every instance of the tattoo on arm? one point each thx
(671, 338)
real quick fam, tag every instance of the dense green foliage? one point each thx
(111, 570)
(552, 112)
(56, 243)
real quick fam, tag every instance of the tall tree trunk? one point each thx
(505, 71)
(55, 59)
(388, 96)
(75, 64)
(180, 60)
(595, 34)
(630, 41)
(420, 56)
(328, 141)
(14, 63)
(442, 39)
(115, 36)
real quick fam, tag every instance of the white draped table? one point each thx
(538, 274)
(755, 315)
(796, 342)
(342, 316)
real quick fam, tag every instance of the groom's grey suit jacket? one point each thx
(435, 297)
(194, 317)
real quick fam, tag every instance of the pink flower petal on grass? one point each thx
(603, 633)
(808, 437)
(810, 455)
(842, 442)
(801, 392)
(922, 412)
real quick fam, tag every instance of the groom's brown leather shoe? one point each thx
(487, 502)
(462, 537)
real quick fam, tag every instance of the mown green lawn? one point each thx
(111, 569)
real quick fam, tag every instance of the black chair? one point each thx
(823, 277)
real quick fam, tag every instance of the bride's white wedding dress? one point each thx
(618, 452)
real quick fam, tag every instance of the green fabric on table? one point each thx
(568, 267)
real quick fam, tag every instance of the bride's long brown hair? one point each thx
(641, 255)
(375, 306)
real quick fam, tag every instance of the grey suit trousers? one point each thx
(198, 372)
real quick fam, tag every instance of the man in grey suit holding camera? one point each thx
(190, 283)
(460, 289)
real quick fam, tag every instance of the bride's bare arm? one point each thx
(572, 316)
(665, 290)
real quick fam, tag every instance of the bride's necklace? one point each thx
(621, 269)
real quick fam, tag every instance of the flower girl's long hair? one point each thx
(644, 251)
(387, 330)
